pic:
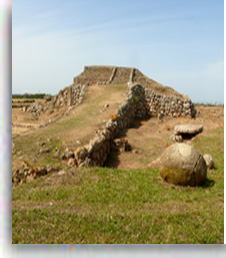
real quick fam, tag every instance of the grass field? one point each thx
(103, 205)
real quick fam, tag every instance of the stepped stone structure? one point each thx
(145, 98)
(162, 100)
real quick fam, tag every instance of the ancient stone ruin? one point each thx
(145, 98)
(162, 100)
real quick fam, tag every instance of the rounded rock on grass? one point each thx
(182, 164)
(209, 161)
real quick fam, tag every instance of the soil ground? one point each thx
(148, 141)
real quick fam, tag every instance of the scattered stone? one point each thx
(106, 105)
(182, 164)
(24, 164)
(50, 169)
(63, 157)
(69, 154)
(209, 161)
(122, 144)
(41, 171)
(154, 163)
(44, 150)
(72, 162)
(57, 153)
(62, 172)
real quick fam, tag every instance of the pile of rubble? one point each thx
(27, 173)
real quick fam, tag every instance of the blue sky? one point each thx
(177, 43)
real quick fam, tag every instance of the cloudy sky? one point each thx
(177, 43)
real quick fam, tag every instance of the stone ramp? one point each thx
(121, 75)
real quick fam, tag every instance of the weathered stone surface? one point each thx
(209, 161)
(188, 129)
(62, 172)
(63, 157)
(182, 164)
(41, 171)
(72, 162)
(80, 153)
(51, 169)
(44, 150)
(176, 138)
(138, 104)
(57, 153)
(69, 153)
(175, 106)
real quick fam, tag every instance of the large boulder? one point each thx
(182, 164)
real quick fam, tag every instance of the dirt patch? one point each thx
(149, 139)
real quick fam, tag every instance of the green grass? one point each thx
(102, 205)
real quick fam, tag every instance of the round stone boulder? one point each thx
(182, 164)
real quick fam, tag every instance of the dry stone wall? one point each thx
(161, 105)
(161, 101)
(96, 151)
(69, 96)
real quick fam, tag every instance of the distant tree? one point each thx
(29, 96)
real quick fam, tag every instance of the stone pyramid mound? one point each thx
(120, 75)
(162, 100)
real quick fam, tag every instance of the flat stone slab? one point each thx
(188, 129)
